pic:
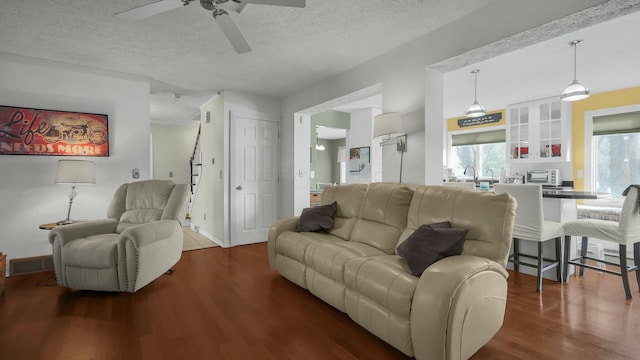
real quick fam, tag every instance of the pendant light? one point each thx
(475, 109)
(575, 90)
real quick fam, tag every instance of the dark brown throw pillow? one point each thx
(318, 218)
(430, 243)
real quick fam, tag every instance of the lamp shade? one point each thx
(75, 172)
(389, 124)
(575, 91)
(475, 110)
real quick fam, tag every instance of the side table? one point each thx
(48, 226)
(3, 271)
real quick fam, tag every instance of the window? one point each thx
(485, 151)
(616, 152)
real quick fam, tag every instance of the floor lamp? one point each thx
(74, 172)
(389, 126)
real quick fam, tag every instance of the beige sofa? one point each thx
(455, 307)
(138, 242)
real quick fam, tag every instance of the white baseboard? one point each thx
(199, 230)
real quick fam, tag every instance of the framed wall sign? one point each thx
(28, 131)
(360, 161)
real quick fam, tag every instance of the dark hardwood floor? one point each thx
(227, 304)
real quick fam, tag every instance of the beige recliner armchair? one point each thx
(140, 240)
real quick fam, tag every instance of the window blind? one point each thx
(616, 124)
(480, 137)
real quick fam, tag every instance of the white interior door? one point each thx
(254, 181)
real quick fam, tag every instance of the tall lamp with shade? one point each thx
(74, 172)
(389, 127)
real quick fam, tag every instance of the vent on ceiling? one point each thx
(30, 265)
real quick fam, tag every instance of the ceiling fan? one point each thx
(224, 20)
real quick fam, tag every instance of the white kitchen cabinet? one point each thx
(539, 131)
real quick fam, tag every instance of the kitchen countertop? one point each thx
(572, 194)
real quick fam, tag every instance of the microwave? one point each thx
(549, 177)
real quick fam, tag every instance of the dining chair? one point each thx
(530, 225)
(625, 232)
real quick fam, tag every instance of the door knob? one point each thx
(239, 187)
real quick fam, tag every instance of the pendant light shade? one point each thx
(475, 109)
(575, 91)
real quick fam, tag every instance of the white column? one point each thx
(434, 127)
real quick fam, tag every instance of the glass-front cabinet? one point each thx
(539, 131)
(519, 130)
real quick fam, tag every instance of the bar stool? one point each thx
(531, 225)
(625, 232)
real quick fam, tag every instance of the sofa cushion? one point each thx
(317, 218)
(98, 251)
(488, 217)
(384, 279)
(144, 202)
(329, 259)
(379, 298)
(294, 245)
(429, 244)
(349, 199)
(382, 216)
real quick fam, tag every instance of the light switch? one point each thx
(170, 174)
(135, 173)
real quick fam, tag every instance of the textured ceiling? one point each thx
(184, 51)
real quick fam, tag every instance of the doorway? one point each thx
(361, 105)
(326, 163)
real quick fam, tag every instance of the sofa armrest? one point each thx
(148, 233)
(61, 235)
(74, 231)
(278, 227)
(458, 306)
(147, 251)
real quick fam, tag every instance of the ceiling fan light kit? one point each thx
(226, 22)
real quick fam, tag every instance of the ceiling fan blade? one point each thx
(233, 33)
(290, 3)
(144, 11)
